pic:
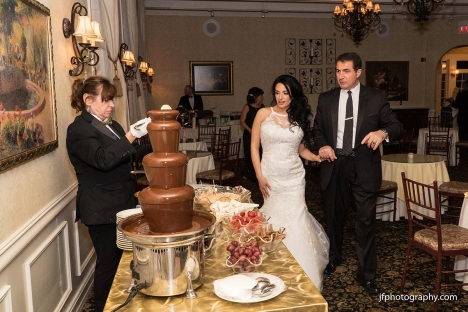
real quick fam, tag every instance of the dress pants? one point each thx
(335, 202)
(104, 237)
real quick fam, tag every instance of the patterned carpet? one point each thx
(342, 292)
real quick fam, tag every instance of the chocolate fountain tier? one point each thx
(165, 170)
(136, 229)
(167, 211)
(163, 131)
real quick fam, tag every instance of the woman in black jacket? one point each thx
(100, 151)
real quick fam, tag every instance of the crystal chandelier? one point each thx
(421, 9)
(356, 18)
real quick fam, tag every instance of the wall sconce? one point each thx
(85, 52)
(455, 73)
(127, 59)
(444, 65)
(150, 74)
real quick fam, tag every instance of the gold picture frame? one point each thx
(28, 117)
(211, 78)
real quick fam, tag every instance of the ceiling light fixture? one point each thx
(421, 9)
(357, 18)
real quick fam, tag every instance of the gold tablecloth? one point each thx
(300, 295)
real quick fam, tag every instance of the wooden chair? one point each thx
(442, 241)
(438, 141)
(461, 155)
(205, 133)
(451, 195)
(228, 158)
(433, 121)
(406, 141)
(387, 188)
(219, 141)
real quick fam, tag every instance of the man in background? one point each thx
(191, 101)
(461, 102)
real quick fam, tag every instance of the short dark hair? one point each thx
(253, 94)
(351, 56)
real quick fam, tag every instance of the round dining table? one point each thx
(198, 161)
(421, 168)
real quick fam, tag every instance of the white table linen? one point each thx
(193, 146)
(422, 143)
(461, 262)
(196, 165)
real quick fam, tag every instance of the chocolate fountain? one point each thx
(168, 237)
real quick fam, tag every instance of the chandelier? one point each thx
(356, 18)
(421, 9)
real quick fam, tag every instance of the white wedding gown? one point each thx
(283, 168)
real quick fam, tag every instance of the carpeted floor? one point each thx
(340, 289)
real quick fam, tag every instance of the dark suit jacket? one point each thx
(197, 102)
(102, 166)
(461, 103)
(374, 113)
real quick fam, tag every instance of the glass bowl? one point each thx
(241, 224)
(244, 257)
(207, 195)
(268, 236)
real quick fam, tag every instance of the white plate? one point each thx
(128, 212)
(280, 287)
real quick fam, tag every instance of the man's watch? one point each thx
(385, 133)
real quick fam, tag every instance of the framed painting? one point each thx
(28, 118)
(391, 76)
(211, 78)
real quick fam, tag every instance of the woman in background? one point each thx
(254, 103)
(284, 132)
(100, 151)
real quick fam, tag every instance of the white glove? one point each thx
(138, 129)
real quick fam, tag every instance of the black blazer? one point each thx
(374, 113)
(197, 102)
(461, 103)
(102, 166)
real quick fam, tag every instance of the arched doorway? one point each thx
(453, 70)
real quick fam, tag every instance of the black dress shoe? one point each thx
(331, 267)
(370, 286)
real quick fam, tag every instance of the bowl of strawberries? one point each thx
(244, 256)
(246, 222)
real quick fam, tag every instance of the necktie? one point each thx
(107, 121)
(348, 128)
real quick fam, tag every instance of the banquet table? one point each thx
(198, 161)
(236, 133)
(461, 262)
(424, 169)
(421, 149)
(193, 145)
(300, 293)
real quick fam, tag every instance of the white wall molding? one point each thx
(5, 299)
(19, 240)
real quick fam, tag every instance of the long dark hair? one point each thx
(299, 112)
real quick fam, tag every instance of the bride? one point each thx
(283, 131)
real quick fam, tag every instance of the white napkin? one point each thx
(237, 286)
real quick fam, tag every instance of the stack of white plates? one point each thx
(122, 242)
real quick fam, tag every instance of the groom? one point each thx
(350, 123)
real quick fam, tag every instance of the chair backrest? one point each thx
(438, 142)
(422, 204)
(229, 155)
(219, 141)
(406, 141)
(433, 122)
(205, 133)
